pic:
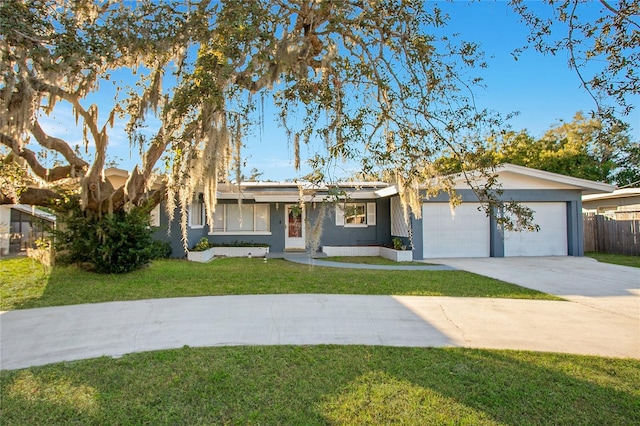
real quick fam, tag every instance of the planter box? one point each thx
(200, 256)
(388, 253)
(207, 255)
(241, 251)
(331, 251)
(396, 255)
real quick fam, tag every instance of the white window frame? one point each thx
(369, 214)
(195, 204)
(222, 209)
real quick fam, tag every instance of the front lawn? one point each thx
(318, 385)
(618, 259)
(371, 260)
(65, 285)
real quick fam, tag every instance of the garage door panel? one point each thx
(551, 240)
(465, 233)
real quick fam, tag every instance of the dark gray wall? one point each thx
(332, 235)
(175, 237)
(380, 234)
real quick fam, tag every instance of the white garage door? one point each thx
(551, 240)
(465, 233)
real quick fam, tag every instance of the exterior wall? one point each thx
(612, 204)
(332, 235)
(5, 218)
(378, 234)
(175, 236)
(572, 197)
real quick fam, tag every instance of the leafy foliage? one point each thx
(603, 45)
(160, 249)
(583, 148)
(202, 245)
(377, 82)
(110, 243)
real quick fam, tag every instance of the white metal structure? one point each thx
(463, 232)
(550, 240)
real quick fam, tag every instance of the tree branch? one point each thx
(46, 174)
(58, 145)
(34, 196)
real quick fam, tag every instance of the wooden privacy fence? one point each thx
(619, 235)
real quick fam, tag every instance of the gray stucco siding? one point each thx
(175, 237)
(378, 234)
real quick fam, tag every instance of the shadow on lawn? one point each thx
(333, 384)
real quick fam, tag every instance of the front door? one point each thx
(294, 227)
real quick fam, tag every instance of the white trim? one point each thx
(587, 186)
(154, 216)
(371, 214)
(618, 193)
(240, 233)
(339, 215)
(294, 242)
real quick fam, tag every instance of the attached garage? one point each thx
(461, 233)
(550, 240)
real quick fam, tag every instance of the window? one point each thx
(356, 214)
(196, 214)
(241, 219)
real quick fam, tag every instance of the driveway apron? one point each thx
(611, 288)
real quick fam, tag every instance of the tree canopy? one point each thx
(377, 81)
(369, 78)
(603, 47)
(584, 147)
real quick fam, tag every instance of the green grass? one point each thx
(371, 260)
(21, 280)
(65, 285)
(316, 385)
(618, 259)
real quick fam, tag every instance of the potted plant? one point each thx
(399, 252)
(201, 252)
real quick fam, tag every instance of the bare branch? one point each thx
(44, 173)
(58, 145)
(34, 196)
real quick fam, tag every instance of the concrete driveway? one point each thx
(611, 288)
(605, 320)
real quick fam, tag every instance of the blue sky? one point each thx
(542, 88)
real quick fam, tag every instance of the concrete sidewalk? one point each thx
(42, 336)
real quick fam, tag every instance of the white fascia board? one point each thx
(587, 186)
(618, 193)
(387, 192)
(32, 210)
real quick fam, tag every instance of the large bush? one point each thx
(110, 243)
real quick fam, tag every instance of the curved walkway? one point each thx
(307, 260)
(65, 333)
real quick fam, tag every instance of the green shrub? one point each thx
(202, 245)
(160, 249)
(110, 243)
(237, 243)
